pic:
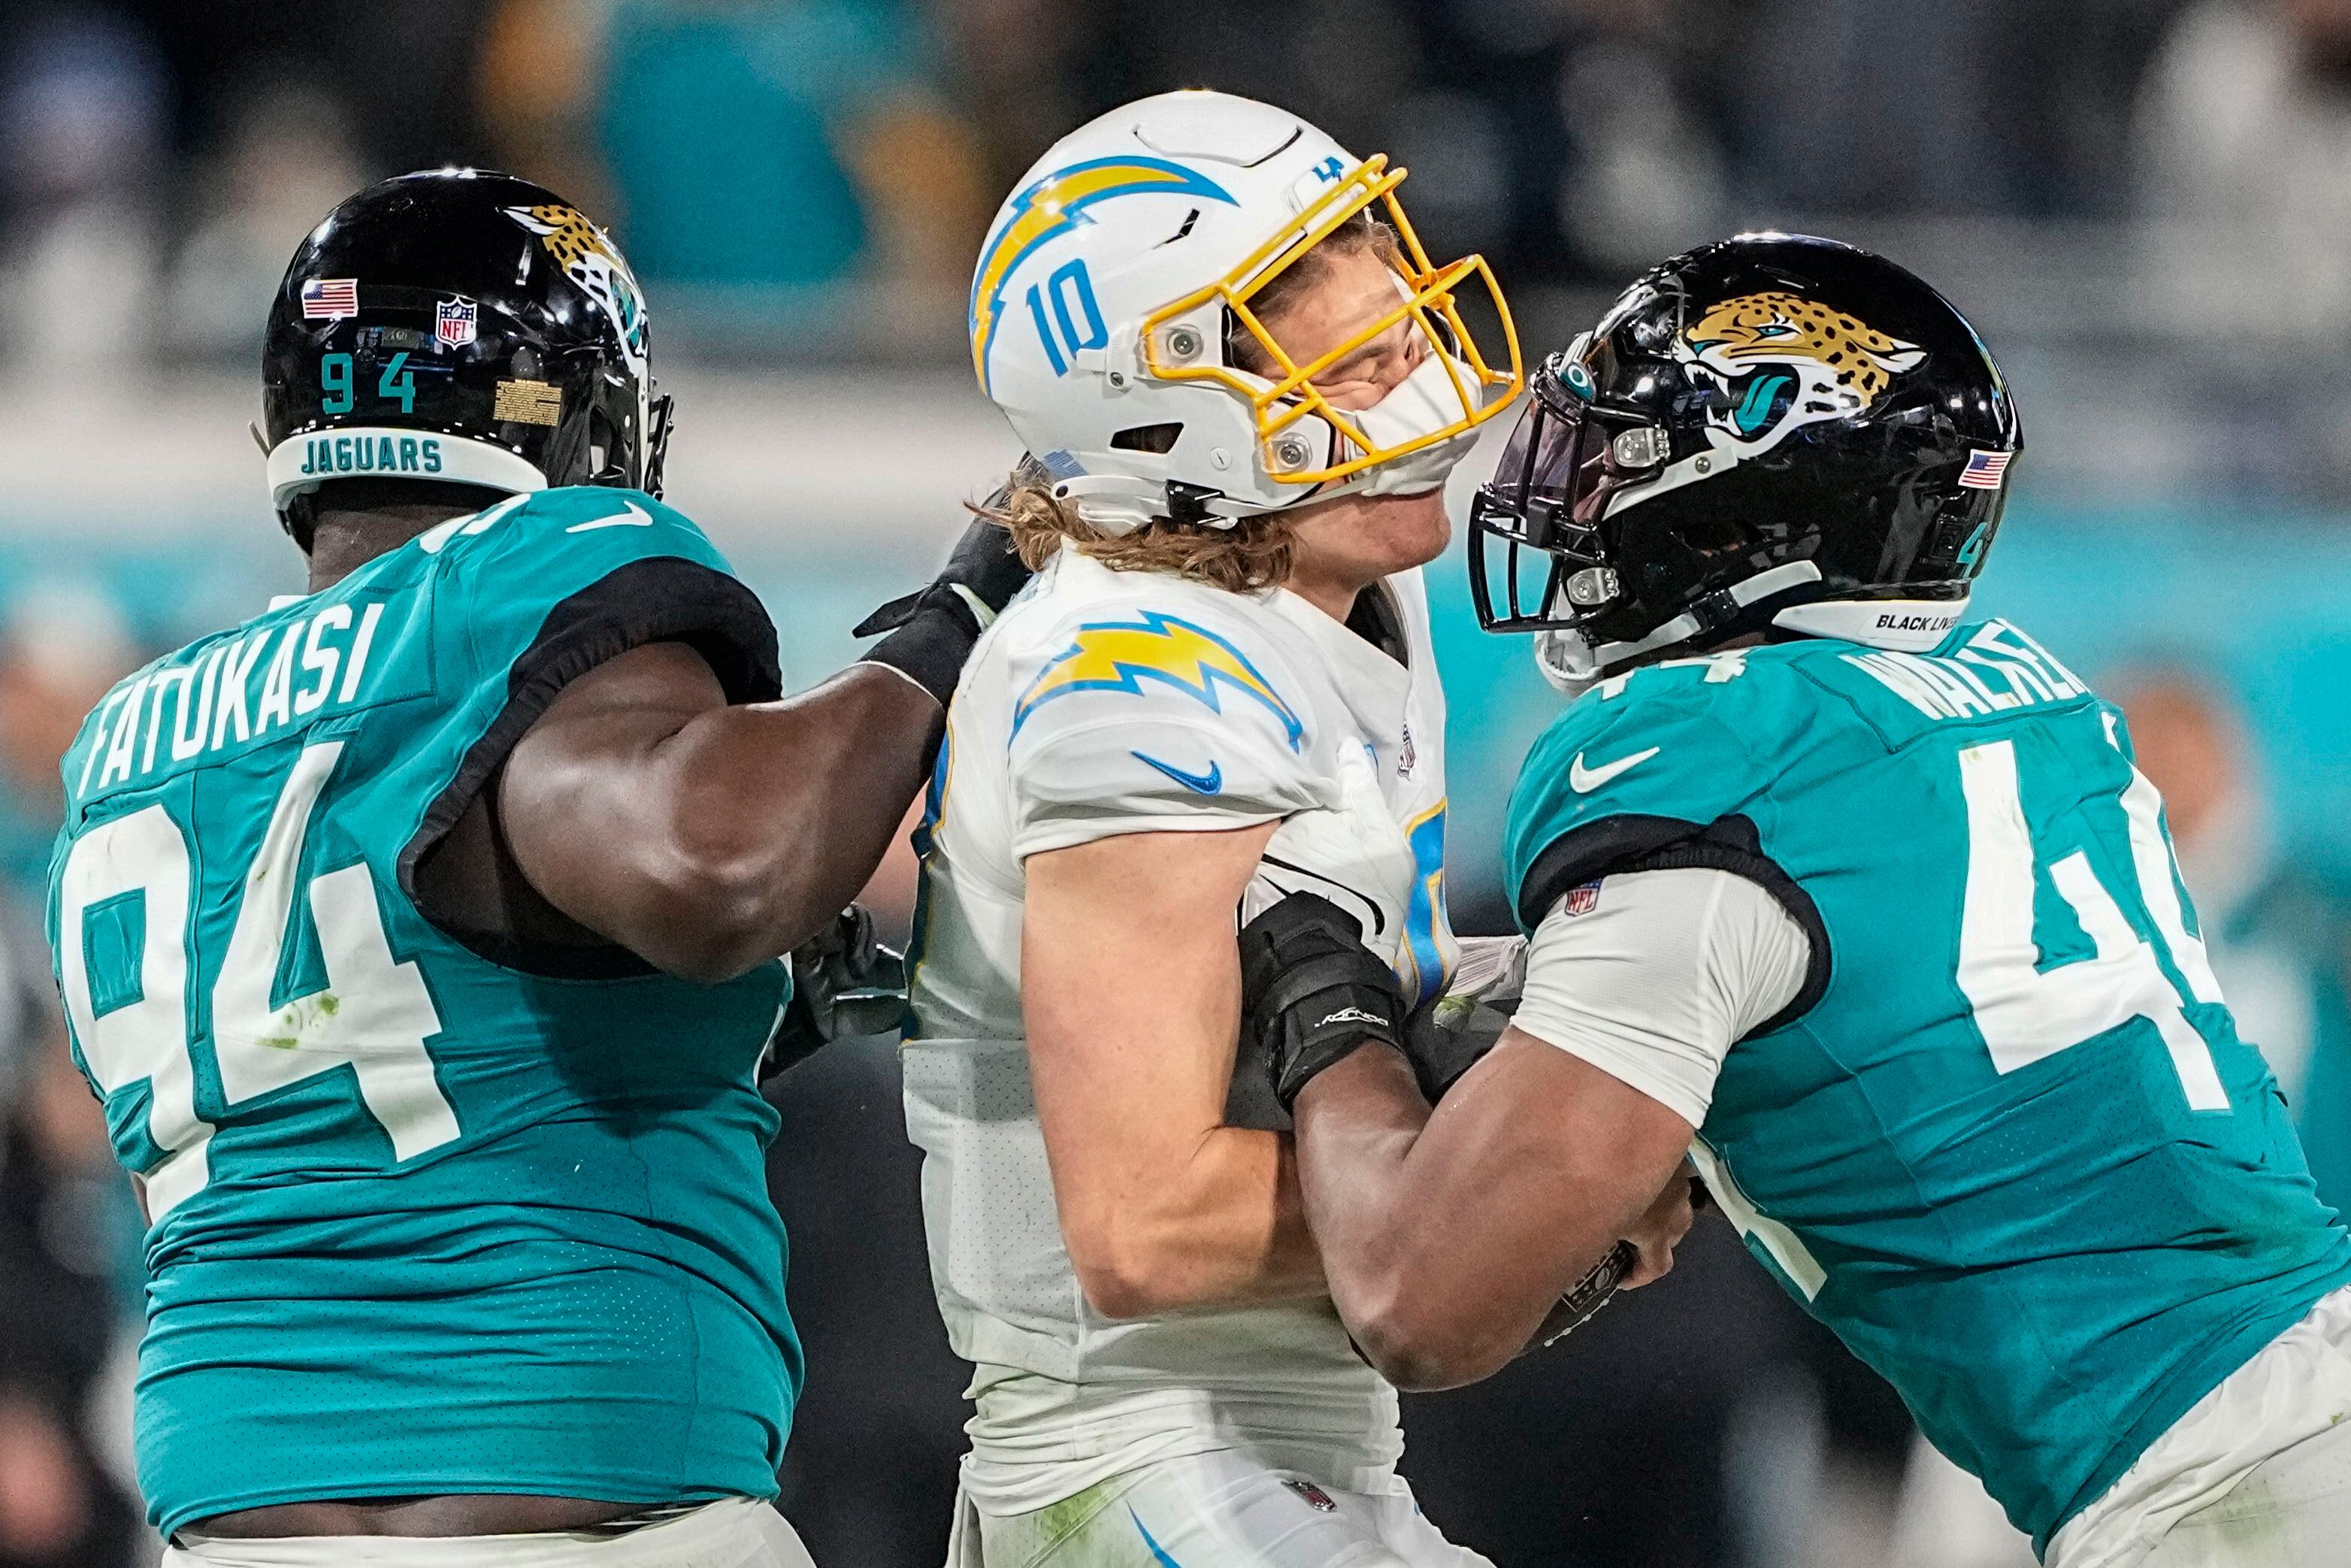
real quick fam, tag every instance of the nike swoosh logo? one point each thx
(1584, 780)
(1212, 782)
(631, 516)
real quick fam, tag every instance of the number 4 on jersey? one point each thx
(2025, 1012)
(373, 1015)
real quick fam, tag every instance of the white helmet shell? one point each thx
(1119, 271)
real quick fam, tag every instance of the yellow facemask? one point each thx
(1426, 297)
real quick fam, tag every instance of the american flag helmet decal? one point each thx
(330, 299)
(1985, 470)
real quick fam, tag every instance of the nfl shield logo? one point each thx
(1584, 900)
(453, 321)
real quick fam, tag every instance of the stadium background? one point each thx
(2145, 206)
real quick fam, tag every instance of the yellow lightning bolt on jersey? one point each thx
(1119, 655)
(1054, 205)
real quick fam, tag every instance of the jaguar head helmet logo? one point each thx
(1782, 362)
(588, 257)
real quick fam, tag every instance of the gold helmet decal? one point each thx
(588, 257)
(1783, 361)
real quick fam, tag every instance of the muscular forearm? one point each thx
(1446, 1237)
(1393, 1221)
(783, 809)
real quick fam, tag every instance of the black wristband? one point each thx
(1329, 1012)
(930, 646)
(1311, 993)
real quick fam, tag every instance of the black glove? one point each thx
(1312, 992)
(931, 630)
(1445, 1038)
(1448, 1034)
(844, 983)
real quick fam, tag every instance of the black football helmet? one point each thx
(460, 325)
(1770, 432)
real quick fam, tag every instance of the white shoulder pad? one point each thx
(1653, 976)
(1168, 708)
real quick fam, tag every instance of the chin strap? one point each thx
(1119, 504)
(1570, 660)
(1116, 504)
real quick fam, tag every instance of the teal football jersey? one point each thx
(2006, 1141)
(428, 1215)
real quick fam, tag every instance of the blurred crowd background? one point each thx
(2144, 205)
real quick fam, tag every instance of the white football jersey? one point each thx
(1105, 702)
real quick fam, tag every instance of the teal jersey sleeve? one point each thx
(1633, 767)
(544, 587)
(537, 591)
(497, 612)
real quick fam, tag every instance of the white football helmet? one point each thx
(1118, 273)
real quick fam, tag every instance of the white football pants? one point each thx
(739, 1532)
(1209, 1511)
(2294, 1510)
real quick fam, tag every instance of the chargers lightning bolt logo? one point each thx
(1119, 655)
(1054, 205)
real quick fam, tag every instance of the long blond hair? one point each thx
(1252, 553)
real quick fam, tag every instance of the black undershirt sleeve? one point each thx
(1632, 843)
